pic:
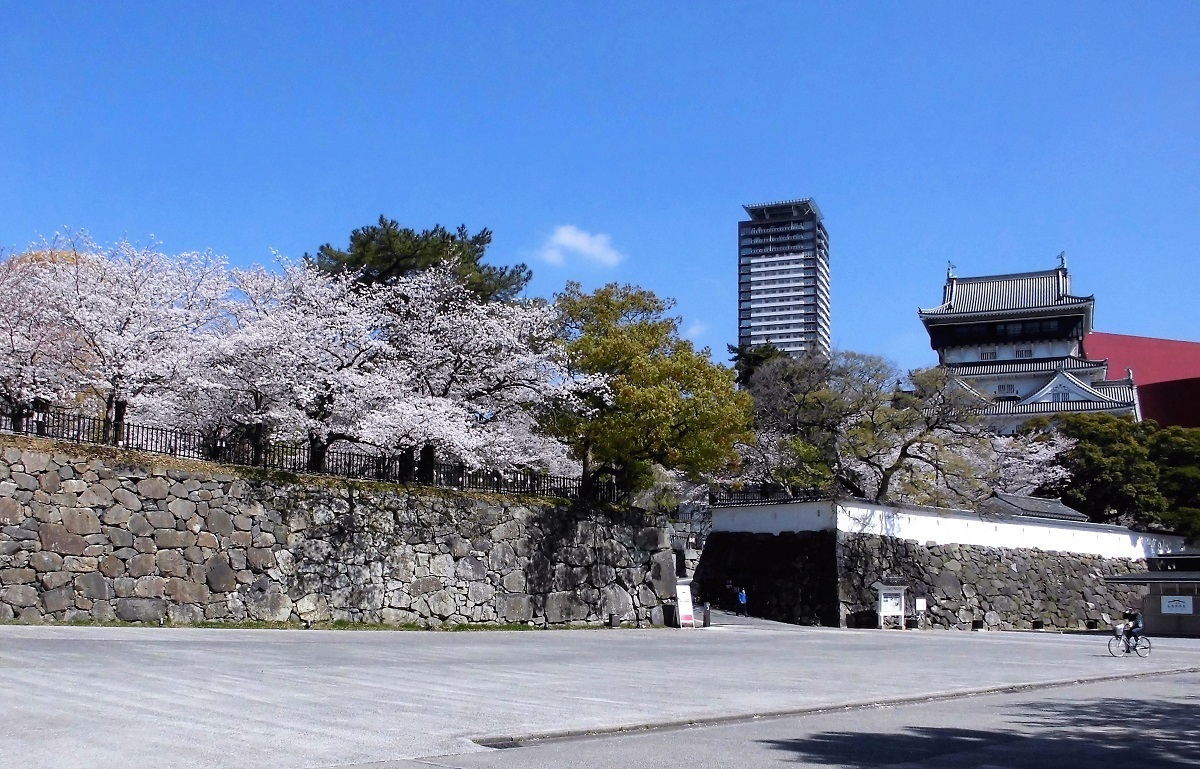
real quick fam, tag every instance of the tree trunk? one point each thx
(317, 447)
(587, 484)
(425, 464)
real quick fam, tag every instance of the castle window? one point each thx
(1006, 389)
(987, 355)
(1025, 353)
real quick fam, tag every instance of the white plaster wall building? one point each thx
(1018, 341)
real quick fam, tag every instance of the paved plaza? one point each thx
(138, 698)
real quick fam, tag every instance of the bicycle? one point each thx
(1119, 644)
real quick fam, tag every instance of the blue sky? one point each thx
(618, 141)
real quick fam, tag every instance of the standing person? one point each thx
(741, 598)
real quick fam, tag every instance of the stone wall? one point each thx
(1006, 588)
(805, 577)
(115, 539)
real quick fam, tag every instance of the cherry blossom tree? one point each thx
(136, 317)
(37, 355)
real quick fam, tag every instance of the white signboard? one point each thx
(683, 599)
(891, 604)
(1176, 604)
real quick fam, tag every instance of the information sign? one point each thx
(1176, 604)
(683, 599)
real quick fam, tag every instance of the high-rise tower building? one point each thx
(783, 277)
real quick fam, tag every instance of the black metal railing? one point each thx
(350, 462)
(763, 495)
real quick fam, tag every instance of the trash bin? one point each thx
(670, 615)
(977, 624)
(614, 620)
(1038, 624)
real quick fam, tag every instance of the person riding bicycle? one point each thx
(1134, 627)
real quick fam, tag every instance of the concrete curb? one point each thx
(501, 742)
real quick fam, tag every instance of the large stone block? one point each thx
(153, 488)
(183, 591)
(26, 482)
(441, 604)
(111, 566)
(117, 515)
(160, 519)
(314, 608)
(662, 573)
(260, 558)
(139, 525)
(171, 563)
(17, 576)
(50, 482)
(119, 537)
(185, 614)
(19, 596)
(57, 539)
(127, 499)
(44, 561)
(141, 565)
(514, 582)
(94, 586)
(59, 599)
(149, 587)
(80, 520)
(220, 576)
(425, 585)
(173, 538)
(11, 512)
(615, 600)
(470, 569)
(182, 508)
(565, 606)
(266, 601)
(141, 609)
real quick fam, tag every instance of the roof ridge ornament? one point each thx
(950, 267)
(1062, 260)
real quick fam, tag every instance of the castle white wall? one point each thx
(943, 526)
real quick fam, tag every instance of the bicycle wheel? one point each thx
(1116, 646)
(1142, 649)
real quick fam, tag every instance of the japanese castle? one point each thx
(1018, 341)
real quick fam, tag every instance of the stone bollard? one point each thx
(707, 614)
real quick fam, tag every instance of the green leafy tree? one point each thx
(384, 252)
(747, 359)
(1112, 476)
(1176, 453)
(665, 403)
(854, 423)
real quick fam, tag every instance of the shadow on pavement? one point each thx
(1109, 732)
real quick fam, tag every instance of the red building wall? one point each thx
(1167, 373)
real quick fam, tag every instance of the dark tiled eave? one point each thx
(938, 315)
(1027, 365)
(1054, 407)
(1155, 578)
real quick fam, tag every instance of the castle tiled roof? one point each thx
(1032, 507)
(1072, 363)
(1050, 408)
(1018, 292)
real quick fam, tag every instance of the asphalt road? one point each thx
(1146, 723)
(147, 698)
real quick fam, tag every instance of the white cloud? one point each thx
(569, 240)
(695, 330)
